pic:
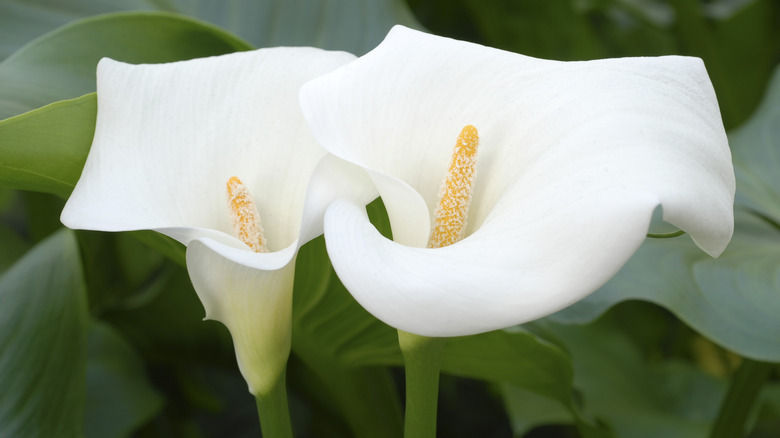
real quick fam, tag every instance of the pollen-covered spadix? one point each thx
(244, 215)
(451, 214)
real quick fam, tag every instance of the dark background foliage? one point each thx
(102, 333)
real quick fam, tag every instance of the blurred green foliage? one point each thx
(103, 332)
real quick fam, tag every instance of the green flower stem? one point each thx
(422, 361)
(745, 386)
(274, 412)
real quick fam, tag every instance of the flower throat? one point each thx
(244, 215)
(451, 213)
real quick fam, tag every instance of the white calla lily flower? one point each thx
(204, 150)
(573, 159)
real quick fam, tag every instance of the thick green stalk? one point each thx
(422, 362)
(274, 412)
(743, 391)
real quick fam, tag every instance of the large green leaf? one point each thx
(44, 150)
(527, 409)
(768, 418)
(21, 21)
(636, 398)
(61, 65)
(756, 149)
(732, 300)
(352, 25)
(327, 321)
(513, 356)
(192, 361)
(13, 247)
(119, 395)
(335, 337)
(43, 339)
(166, 324)
(123, 272)
(356, 26)
(523, 359)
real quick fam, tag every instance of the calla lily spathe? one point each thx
(574, 157)
(168, 139)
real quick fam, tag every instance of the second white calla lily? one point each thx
(168, 139)
(573, 159)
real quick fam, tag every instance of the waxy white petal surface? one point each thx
(169, 136)
(574, 157)
(168, 139)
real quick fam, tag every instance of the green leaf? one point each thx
(44, 150)
(756, 153)
(42, 212)
(340, 342)
(355, 26)
(636, 398)
(167, 327)
(167, 246)
(768, 417)
(23, 21)
(732, 299)
(43, 338)
(513, 356)
(327, 320)
(522, 358)
(13, 247)
(352, 25)
(61, 64)
(119, 395)
(746, 384)
(527, 409)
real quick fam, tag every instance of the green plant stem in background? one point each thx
(422, 362)
(745, 386)
(274, 412)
